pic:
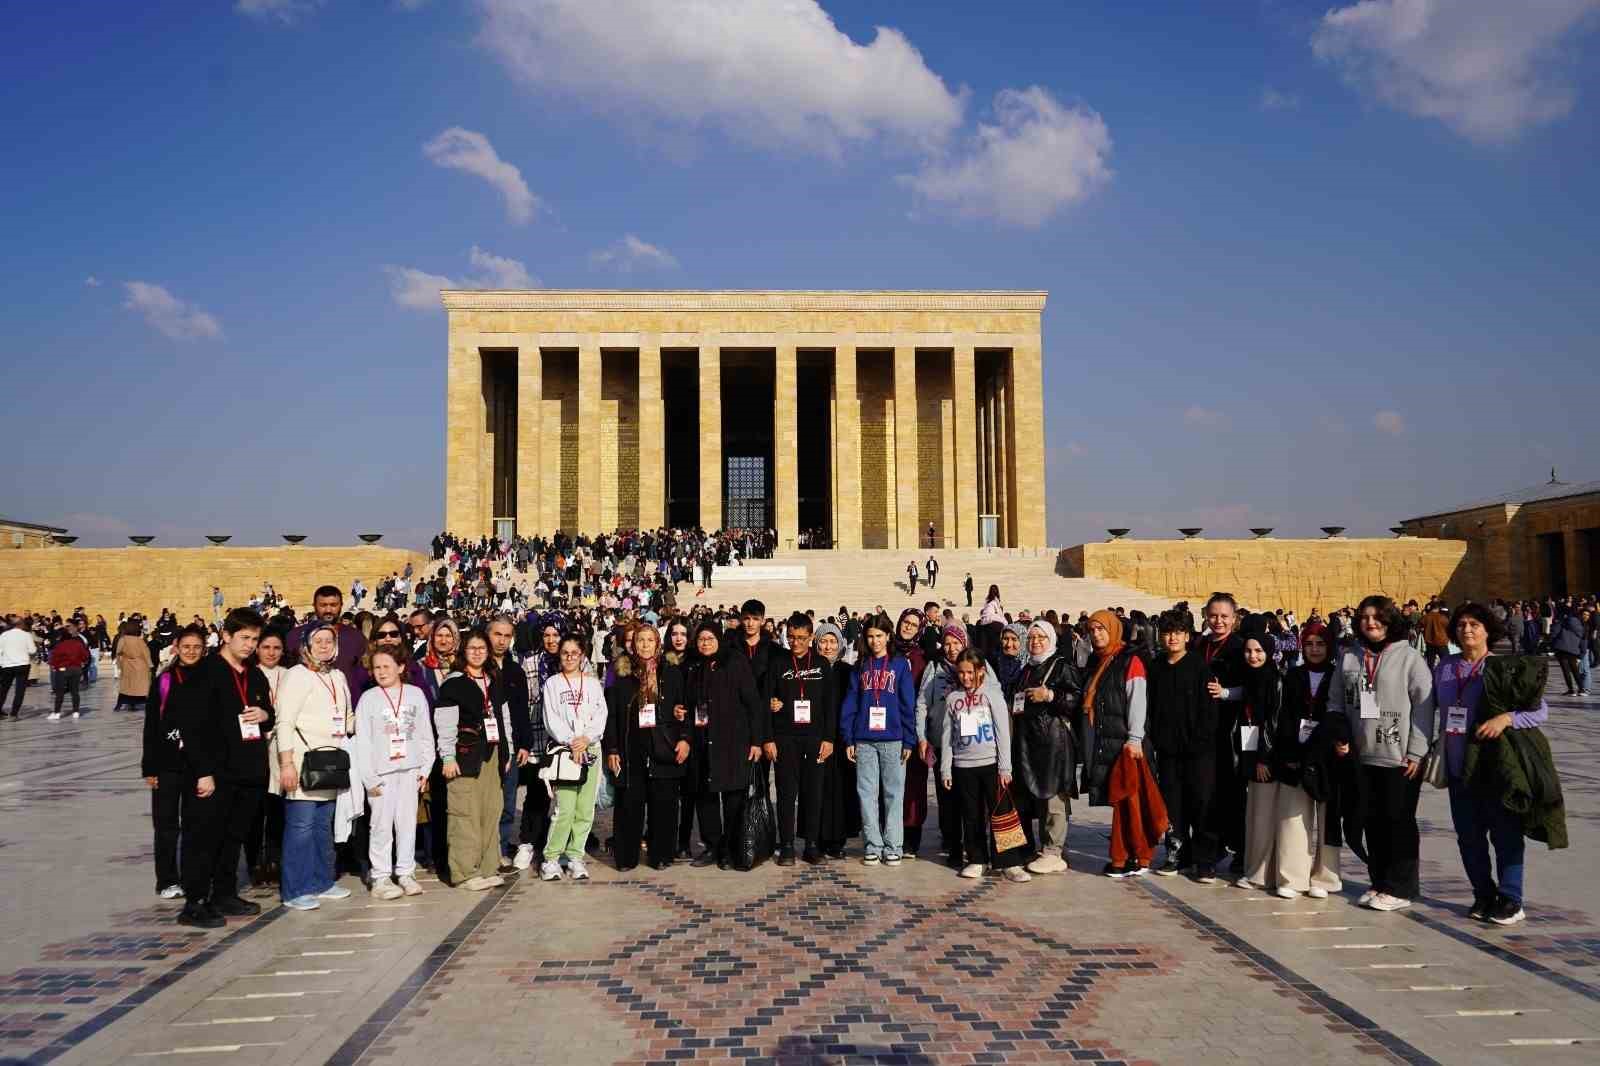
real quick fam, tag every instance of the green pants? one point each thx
(574, 816)
(474, 822)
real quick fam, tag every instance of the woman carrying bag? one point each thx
(474, 727)
(315, 720)
(975, 764)
(575, 720)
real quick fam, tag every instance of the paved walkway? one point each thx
(828, 965)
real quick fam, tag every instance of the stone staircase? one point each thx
(863, 580)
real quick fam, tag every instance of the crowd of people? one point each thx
(474, 736)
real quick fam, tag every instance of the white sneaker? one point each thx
(493, 881)
(336, 892)
(409, 886)
(1285, 892)
(870, 859)
(972, 870)
(302, 903)
(1317, 893)
(53, 716)
(576, 870)
(1018, 874)
(524, 857)
(474, 884)
(1367, 897)
(386, 889)
(1385, 902)
(1047, 864)
(1242, 882)
(75, 714)
(549, 871)
(171, 892)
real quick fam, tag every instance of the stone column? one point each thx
(589, 437)
(967, 464)
(1002, 460)
(907, 527)
(652, 440)
(463, 439)
(530, 393)
(785, 447)
(710, 433)
(1027, 444)
(846, 445)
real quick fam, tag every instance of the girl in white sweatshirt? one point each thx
(393, 748)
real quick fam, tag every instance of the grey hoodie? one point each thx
(992, 745)
(1404, 686)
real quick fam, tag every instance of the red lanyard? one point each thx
(241, 686)
(394, 704)
(873, 676)
(1370, 664)
(483, 684)
(798, 679)
(578, 703)
(333, 692)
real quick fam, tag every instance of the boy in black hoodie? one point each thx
(224, 727)
(804, 722)
(1182, 727)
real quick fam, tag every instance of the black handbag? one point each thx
(756, 835)
(323, 769)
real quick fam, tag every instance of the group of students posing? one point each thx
(685, 724)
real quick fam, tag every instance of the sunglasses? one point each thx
(388, 633)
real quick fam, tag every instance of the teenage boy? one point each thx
(1182, 728)
(804, 722)
(224, 733)
(761, 652)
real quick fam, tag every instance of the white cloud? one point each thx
(630, 253)
(1277, 100)
(419, 290)
(1390, 422)
(1204, 416)
(1038, 157)
(764, 71)
(169, 315)
(468, 150)
(285, 11)
(92, 282)
(1488, 69)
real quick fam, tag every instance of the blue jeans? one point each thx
(878, 765)
(307, 865)
(508, 813)
(1583, 672)
(1481, 821)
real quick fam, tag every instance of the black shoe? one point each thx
(1135, 868)
(834, 853)
(811, 856)
(704, 859)
(200, 916)
(1111, 869)
(1481, 906)
(786, 856)
(1205, 875)
(660, 864)
(234, 907)
(723, 863)
(625, 869)
(1507, 911)
(1171, 867)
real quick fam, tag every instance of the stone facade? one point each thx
(111, 581)
(932, 398)
(14, 534)
(1266, 574)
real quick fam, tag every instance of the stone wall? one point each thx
(1272, 573)
(110, 581)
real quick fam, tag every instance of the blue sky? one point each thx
(1313, 263)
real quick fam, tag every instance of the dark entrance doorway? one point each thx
(1555, 563)
(748, 379)
(814, 445)
(680, 395)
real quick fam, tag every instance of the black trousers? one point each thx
(265, 842)
(799, 778)
(1569, 671)
(64, 682)
(16, 676)
(1188, 788)
(167, 802)
(1389, 821)
(660, 796)
(534, 827)
(1228, 795)
(912, 578)
(950, 822)
(214, 829)
(977, 786)
(720, 813)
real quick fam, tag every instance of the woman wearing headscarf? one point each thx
(1010, 658)
(908, 645)
(1043, 708)
(841, 806)
(1386, 691)
(729, 729)
(1114, 722)
(938, 681)
(1303, 753)
(646, 744)
(1254, 757)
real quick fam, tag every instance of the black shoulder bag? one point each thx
(323, 769)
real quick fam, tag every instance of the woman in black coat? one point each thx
(729, 731)
(841, 806)
(647, 745)
(1043, 710)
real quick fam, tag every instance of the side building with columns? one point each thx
(860, 417)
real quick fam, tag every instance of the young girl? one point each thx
(574, 715)
(878, 725)
(394, 748)
(975, 763)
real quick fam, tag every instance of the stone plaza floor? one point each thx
(834, 964)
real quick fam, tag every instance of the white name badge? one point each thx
(1455, 721)
(647, 716)
(802, 712)
(1249, 738)
(1307, 726)
(249, 730)
(969, 723)
(491, 729)
(702, 717)
(1017, 702)
(1369, 704)
(877, 719)
(397, 744)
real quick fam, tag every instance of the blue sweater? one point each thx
(885, 681)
